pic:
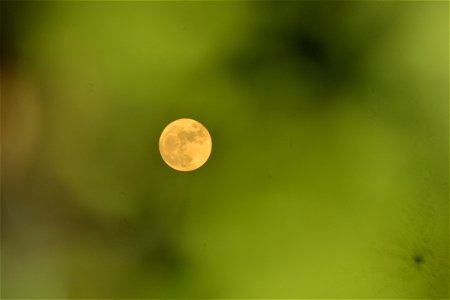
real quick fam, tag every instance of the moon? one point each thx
(185, 145)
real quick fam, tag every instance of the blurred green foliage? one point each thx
(329, 171)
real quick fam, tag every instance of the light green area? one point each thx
(329, 170)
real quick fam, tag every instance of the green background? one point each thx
(329, 171)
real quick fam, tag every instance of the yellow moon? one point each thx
(185, 145)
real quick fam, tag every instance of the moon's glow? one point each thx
(185, 145)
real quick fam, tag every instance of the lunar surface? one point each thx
(185, 145)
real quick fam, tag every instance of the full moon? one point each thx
(185, 145)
